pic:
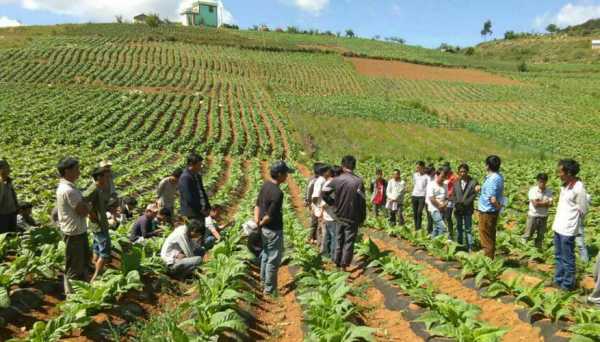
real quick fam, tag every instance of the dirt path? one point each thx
(278, 319)
(492, 311)
(390, 324)
(409, 71)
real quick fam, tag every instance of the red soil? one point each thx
(402, 70)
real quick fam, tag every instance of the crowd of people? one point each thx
(336, 197)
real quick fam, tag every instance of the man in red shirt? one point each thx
(450, 180)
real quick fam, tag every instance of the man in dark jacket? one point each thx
(347, 194)
(463, 196)
(9, 206)
(193, 198)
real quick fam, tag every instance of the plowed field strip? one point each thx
(492, 311)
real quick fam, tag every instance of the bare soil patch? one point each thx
(409, 71)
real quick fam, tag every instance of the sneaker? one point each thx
(594, 300)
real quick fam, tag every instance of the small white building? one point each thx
(596, 44)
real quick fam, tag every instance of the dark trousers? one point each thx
(418, 204)
(397, 213)
(8, 223)
(77, 259)
(345, 236)
(429, 222)
(377, 208)
(314, 227)
(564, 256)
(449, 223)
(487, 233)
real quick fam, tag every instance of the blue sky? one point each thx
(424, 22)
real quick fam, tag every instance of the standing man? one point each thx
(347, 194)
(572, 207)
(451, 179)
(167, 191)
(540, 200)
(98, 196)
(9, 206)
(316, 207)
(329, 216)
(420, 180)
(314, 221)
(72, 213)
(490, 204)
(463, 197)
(378, 189)
(269, 219)
(437, 201)
(193, 198)
(395, 197)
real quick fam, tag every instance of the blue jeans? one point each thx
(580, 242)
(270, 258)
(464, 225)
(564, 256)
(329, 239)
(439, 227)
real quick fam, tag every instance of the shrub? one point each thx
(153, 20)
(523, 67)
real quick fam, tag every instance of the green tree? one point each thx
(119, 19)
(552, 28)
(349, 33)
(487, 29)
(152, 20)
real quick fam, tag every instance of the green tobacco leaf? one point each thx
(4, 298)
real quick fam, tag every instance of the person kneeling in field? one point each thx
(25, 220)
(179, 252)
(145, 226)
(213, 233)
(98, 196)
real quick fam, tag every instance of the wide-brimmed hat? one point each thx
(105, 163)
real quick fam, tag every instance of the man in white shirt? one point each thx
(437, 201)
(316, 207)
(420, 180)
(395, 197)
(572, 207)
(72, 213)
(329, 218)
(540, 200)
(167, 191)
(179, 252)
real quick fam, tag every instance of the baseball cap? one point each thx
(281, 167)
(105, 163)
(152, 207)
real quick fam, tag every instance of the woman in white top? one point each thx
(395, 197)
(420, 180)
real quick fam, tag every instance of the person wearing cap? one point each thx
(25, 221)
(540, 201)
(269, 218)
(192, 195)
(98, 196)
(107, 164)
(167, 190)
(145, 226)
(179, 252)
(347, 194)
(9, 206)
(378, 193)
(72, 213)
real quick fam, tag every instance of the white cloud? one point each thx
(312, 6)
(7, 22)
(569, 15)
(106, 10)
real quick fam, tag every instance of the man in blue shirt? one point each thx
(490, 203)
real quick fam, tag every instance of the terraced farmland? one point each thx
(144, 98)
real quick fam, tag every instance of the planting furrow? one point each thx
(492, 311)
